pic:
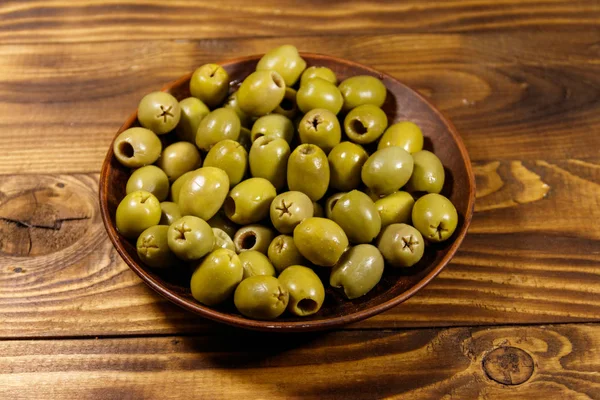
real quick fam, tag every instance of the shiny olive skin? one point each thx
(153, 248)
(428, 173)
(305, 288)
(192, 112)
(321, 241)
(286, 61)
(179, 158)
(308, 171)
(136, 147)
(222, 240)
(395, 208)
(288, 106)
(221, 124)
(151, 179)
(356, 213)
(204, 192)
(401, 245)
(319, 211)
(159, 111)
(362, 89)
(289, 209)
(318, 72)
(330, 202)
(215, 280)
(249, 201)
(190, 238)
(170, 213)
(260, 93)
(245, 138)
(274, 126)
(387, 170)
(320, 127)
(253, 237)
(345, 163)
(231, 157)
(365, 124)
(232, 103)
(358, 271)
(261, 297)
(176, 186)
(435, 217)
(222, 222)
(283, 252)
(210, 83)
(404, 134)
(256, 263)
(137, 212)
(269, 159)
(319, 93)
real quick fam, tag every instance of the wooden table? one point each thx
(516, 314)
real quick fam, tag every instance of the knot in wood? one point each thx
(508, 365)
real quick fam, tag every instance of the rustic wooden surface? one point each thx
(519, 79)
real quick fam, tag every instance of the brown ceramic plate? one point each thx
(396, 286)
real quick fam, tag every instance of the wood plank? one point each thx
(556, 362)
(530, 257)
(511, 96)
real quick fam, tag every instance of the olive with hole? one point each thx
(260, 93)
(210, 83)
(428, 173)
(273, 126)
(217, 277)
(330, 202)
(286, 61)
(401, 245)
(319, 93)
(249, 201)
(308, 171)
(321, 241)
(179, 158)
(222, 240)
(435, 217)
(288, 106)
(357, 215)
(159, 111)
(232, 103)
(358, 271)
(256, 263)
(151, 179)
(220, 220)
(253, 237)
(362, 89)
(395, 208)
(192, 112)
(190, 238)
(204, 192)
(403, 134)
(220, 124)
(269, 159)
(320, 127)
(136, 147)
(305, 288)
(153, 248)
(170, 213)
(365, 124)
(283, 252)
(318, 72)
(261, 297)
(289, 209)
(387, 170)
(137, 212)
(176, 186)
(231, 157)
(345, 164)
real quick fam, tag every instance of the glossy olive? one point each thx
(137, 212)
(401, 245)
(345, 163)
(153, 248)
(231, 157)
(356, 213)
(192, 112)
(362, 89)
(308, 171)
(269, 159)
(289, 209)
(253, 237)
(395, 208)
(283, 252)
(136, 147)
(273, 126)
(179, 158)
(365, 124)
(320, 240)
(170, 213)
(222, 240)
(286, 61)
(256, 263)
(249, 201)
(204, 192)
(318, 72)
(159, 111)
(190, 238)
(215, 280)
(176, 186)
(305, 288)
(358, 271)
(261, 297)
(288, 106)
(232, 103)
(221, 124)
(320, 127)
(319, 93)
(428, 173)
(330, 202)
(261, 93)
(151, 179)
(404, 134)
(222, 222)
(387, 170)
(319, 211)
(210, 83)
(435, 217)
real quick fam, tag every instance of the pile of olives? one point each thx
(292, 173)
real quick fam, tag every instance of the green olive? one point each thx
(137, 212)
(401, 245)
(428, 173)
(190, 238)
(330, 202)
(256, 263)
(308, 171)
(261, 93)
(159, 111)
(435, 217)
(345, 163)
(232, 102)
(365, 124)
(395, 208)
(176, 186)
(318, 72)
(151, 179)
(153, 248)
(170, 213)
(305, 288)
(358, 271)
(319, 93)
(274, 126)
(215, 280)
(286, 61)
(320, 127)
(319, 212)
(204, 192)
(221, 124)
(222, 240)
(136, 147)
(283, 252)
(192, 112)
(261, 297)
(179, 158)
(269, 159)
(387, 170)
(249, 201)
(288, 106)
(222, 222)
(231, 157)
(210, 83)
(362, 89)
(356, 213)
(253, 237)
(245, 138)
(289, 209)
(321, 241)
(405, 134)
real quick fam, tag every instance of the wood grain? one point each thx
(421, 364)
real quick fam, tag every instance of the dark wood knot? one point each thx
(508, 365)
